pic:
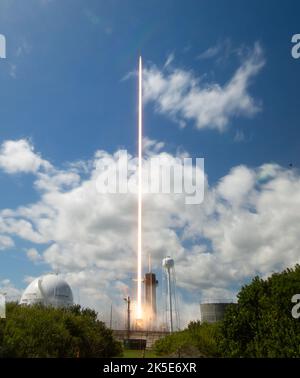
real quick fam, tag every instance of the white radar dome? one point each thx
(49, 290)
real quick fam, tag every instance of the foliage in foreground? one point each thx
(37, 331)
(198, 340)
(261, 325)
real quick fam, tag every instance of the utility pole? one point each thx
(111, 315)
(127, 300)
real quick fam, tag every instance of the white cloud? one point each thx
(6, 242)
(13, 70)
(19, 156)
(236, 186)
(24, 48)
(10, 291)
(33, 255)
(151, 146)
(211, 52)
(247, 224)
(239, 136)
(22, 228)
(57, 180)
(169, 60)
(220, 51)
(183, 97)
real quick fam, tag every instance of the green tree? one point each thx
(261, 324)
(38, 331)
(198, 340)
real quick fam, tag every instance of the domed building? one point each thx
(49, 290)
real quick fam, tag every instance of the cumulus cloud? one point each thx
(247, 224)
(19, 156)
(20, 227)
(6, 242)
(8, 289)
(33, 255)
(182, 96)
(237, 185)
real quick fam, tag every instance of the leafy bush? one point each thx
(38, 331)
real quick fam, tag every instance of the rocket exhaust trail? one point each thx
(140, 191)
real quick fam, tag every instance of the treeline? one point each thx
(259, 325)
(38, 331)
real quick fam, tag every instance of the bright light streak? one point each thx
(139, 251)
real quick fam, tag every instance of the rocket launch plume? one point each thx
(139, 249)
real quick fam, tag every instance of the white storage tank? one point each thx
(213, 312)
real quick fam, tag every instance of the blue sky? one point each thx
(62, 88)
